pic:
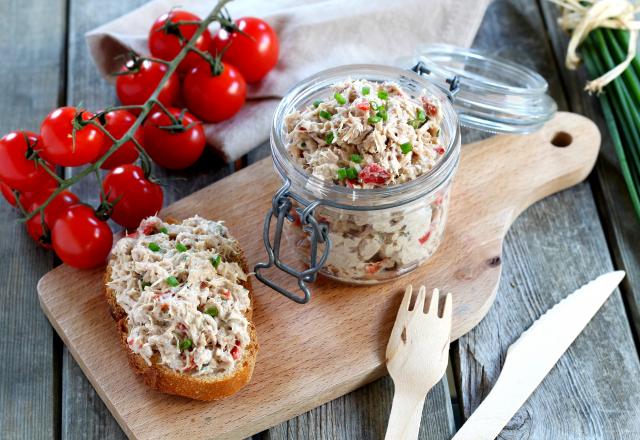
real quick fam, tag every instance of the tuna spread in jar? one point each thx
(365, 135)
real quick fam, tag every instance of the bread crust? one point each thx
(166, 380)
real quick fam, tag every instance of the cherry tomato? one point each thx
(137, 197)
(118, 123)
(52, 213)
(165, 42)
(134, 88)
(28, 197)
(16, 170)
(80, 239)
(173, 149)
(254, 55)
(8, 194)
(214, 98)
(58, 147)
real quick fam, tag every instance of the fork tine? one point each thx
(435, 302)
(448, 305)
(406, 299)
(419, 305)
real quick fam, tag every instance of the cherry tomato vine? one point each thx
(109, 139)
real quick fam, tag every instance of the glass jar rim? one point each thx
(359, 198)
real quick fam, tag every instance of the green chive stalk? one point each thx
(602, 50)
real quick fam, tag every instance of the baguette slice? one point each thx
(167, 380)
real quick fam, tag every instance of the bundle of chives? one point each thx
(602, 50)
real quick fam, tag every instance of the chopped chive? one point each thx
(329, 138)
(215, 261)
(180, 247)
(342, 173)
(172, 281)
(341, 99)
(382, 94)
(186, 344)
(154, 246)
(317, 103)
(352, 173)
(438, 133)
(406, 147)
(356, 158)
(382, 112)
(374, 119)
(325, 114)
(421, 115)
(164, 230)
(365, 90)
(212, 311)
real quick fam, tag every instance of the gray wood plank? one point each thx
(32, 45)
(363, 414)
(84, 415)
(622, 226)
(553, 248)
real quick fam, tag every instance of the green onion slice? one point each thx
(154, 246)
(341, 99)
(374, 119)
(180, 247)
(356, 158)
(342, 173)
(382, 94)
(365, 90)
(317, 103)
(186, 344)
(215, 261)
(325, 114)
(329, 138)
(164, 230)
(352, 173)
(212, 311)
(406, 147)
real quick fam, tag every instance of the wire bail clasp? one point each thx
(280, 209)
(454, 81)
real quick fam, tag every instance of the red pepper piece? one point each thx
(440, 150)
(235, 353)
(424, 238)
(374, 173)
(364, 106)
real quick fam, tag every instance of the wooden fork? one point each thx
(417, 357)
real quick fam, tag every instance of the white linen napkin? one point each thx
(314, 35)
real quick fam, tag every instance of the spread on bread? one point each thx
(181, 288)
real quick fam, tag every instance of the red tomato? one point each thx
(58, 148)
(135, 87)
(27, 198)
(214, 98)
(255, 55)
(169, 148)
(80, 239)
(166, 43)
(52, 213)
(16, 170)
(118, 123)
(8, 194)
(138, 197)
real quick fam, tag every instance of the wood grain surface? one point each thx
(297, 367)
(554, 247)
(30, 78)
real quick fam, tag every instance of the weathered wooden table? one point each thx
(554, 247)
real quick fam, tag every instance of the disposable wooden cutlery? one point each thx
(417, 357)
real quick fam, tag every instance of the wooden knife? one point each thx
(532, 356)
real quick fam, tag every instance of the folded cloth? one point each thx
(314, 35)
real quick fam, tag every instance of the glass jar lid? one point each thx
(495, 94)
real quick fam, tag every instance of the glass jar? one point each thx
(362, 235)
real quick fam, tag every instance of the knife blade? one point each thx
(532, 356)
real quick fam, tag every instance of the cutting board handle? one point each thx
(559, 155)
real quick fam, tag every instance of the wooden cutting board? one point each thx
(310, 354)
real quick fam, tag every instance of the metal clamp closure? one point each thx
(454, 82)
(280, 209)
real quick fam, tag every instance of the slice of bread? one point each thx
(164, 379)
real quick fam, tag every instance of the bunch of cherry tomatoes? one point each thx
(210, 81)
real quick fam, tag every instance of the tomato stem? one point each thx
(216, 14)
